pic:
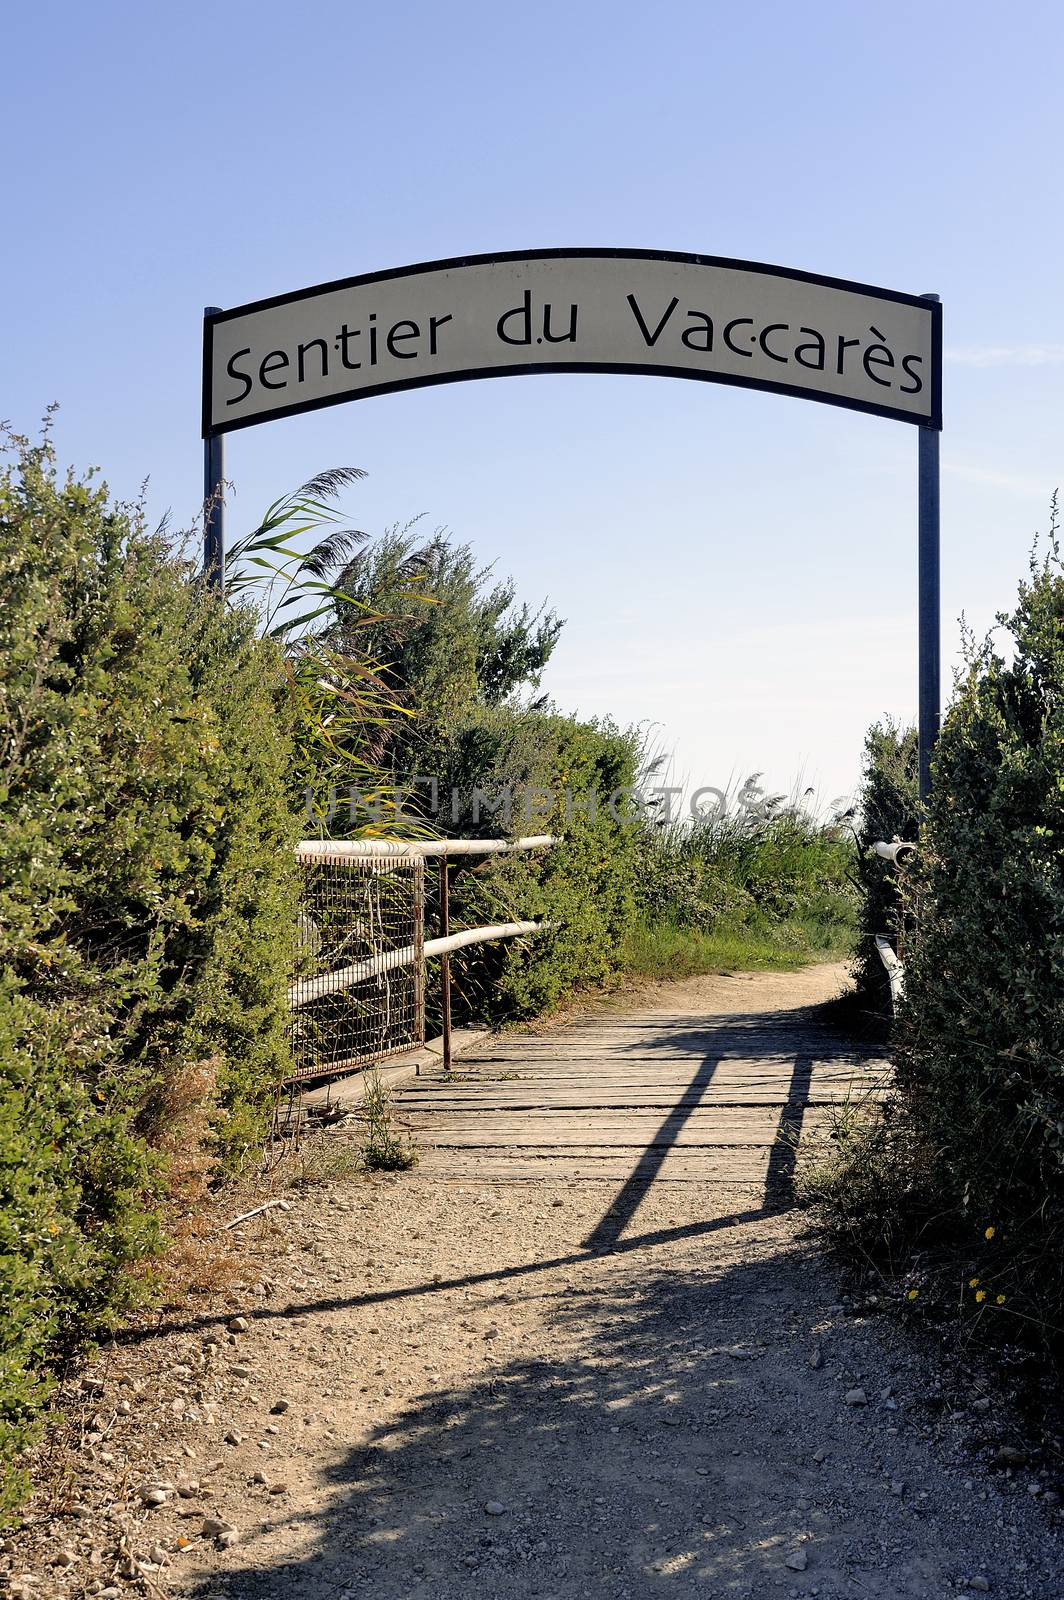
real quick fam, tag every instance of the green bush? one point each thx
(772, 870)
(584, 886)
(146, 900)
(889, 809)
(981, 1034)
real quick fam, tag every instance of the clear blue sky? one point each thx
(739, 568)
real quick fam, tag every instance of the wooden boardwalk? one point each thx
(689, 1093)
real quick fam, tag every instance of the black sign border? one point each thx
(211, 430)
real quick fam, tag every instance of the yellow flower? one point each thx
(913, 1293)
(980, 1296)
(973, 1283)
(1000, 1300)
(989, 1234)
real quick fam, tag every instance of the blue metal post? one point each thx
(930, 700)
(214, 503)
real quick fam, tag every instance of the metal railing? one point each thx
(349, 1013)
(897, 852)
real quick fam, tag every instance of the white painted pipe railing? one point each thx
(422, 847)
(308, 989)
(895, 851)
(895, 968)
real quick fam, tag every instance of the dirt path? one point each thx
(452, 1385)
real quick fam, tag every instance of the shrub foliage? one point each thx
(981, 1035)
(145, 899)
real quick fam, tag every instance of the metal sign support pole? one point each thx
(214, 503)
(930, 701)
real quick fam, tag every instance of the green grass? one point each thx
(662, 950)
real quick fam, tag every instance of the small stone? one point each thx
(495, 1508)
(65, 1558)
(242, 1372)
(188, 1490)
(234, 1436)
(258, 1477)
(215, 1527)
(238, 1325)
(279, 1408)
(820, 1454)
(1007, 1455)
(224, 1540)
(982, 1404)
(158, 1555)
(123, 1408)
(979, 1583)
(856, 1397)
(797, 1560)
(278, 1488)
(151, 1496)
(816, 1360)
(897, 1487)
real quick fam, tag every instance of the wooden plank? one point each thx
(645, 1077)
(609, 1170)
(531, 1099)
(644, 1068)
(664, 1097)
(647, 1068)
(598, 1138)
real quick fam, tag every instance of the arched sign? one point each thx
(679, 316)
(641, 311)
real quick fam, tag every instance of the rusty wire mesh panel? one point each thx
(359, 990)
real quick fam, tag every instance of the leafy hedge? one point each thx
(146, 901)
(585, 887)
(981, 1036)
(772, 867)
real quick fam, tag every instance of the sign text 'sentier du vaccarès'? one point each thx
(679, 316)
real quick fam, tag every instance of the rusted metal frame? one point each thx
(445, 961)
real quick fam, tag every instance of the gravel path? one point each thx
(437, 1389)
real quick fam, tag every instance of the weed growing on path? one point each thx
(383, 1149)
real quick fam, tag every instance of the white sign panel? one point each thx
(679, 316)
